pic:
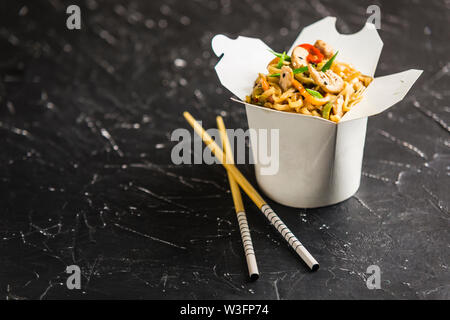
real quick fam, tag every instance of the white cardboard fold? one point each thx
(383, 93)
(241, 62)
(320, 161)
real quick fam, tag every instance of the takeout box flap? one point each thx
(243, 58)
(383, 93)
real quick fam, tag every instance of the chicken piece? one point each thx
(328, 81)
(286, 77)
(324, 48)
(337, 106)
(298, 57)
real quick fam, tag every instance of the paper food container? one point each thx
(319, 161)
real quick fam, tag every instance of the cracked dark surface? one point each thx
(86, 176)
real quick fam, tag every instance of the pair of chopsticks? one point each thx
(235, 177)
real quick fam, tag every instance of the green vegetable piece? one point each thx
(300, 70)
(326, 111)
(287, 58)
(283, 57)
(314, 93)
(295, 71)
(329, 63)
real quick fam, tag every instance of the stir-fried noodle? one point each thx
(310, 82)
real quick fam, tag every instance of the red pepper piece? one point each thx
(314, 56)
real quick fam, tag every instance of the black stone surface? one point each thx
(86, 176)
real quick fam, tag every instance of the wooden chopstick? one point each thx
(254, 195)
(238, 205)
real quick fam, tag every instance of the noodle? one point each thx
(324, 88)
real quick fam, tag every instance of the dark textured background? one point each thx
(86, 176)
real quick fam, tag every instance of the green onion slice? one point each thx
(329, 63)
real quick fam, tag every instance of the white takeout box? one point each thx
(319, 161)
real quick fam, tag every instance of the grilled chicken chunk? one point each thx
(286, 78)
(298, 57)
(337, 106)
(324, 48)
(328, 81)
